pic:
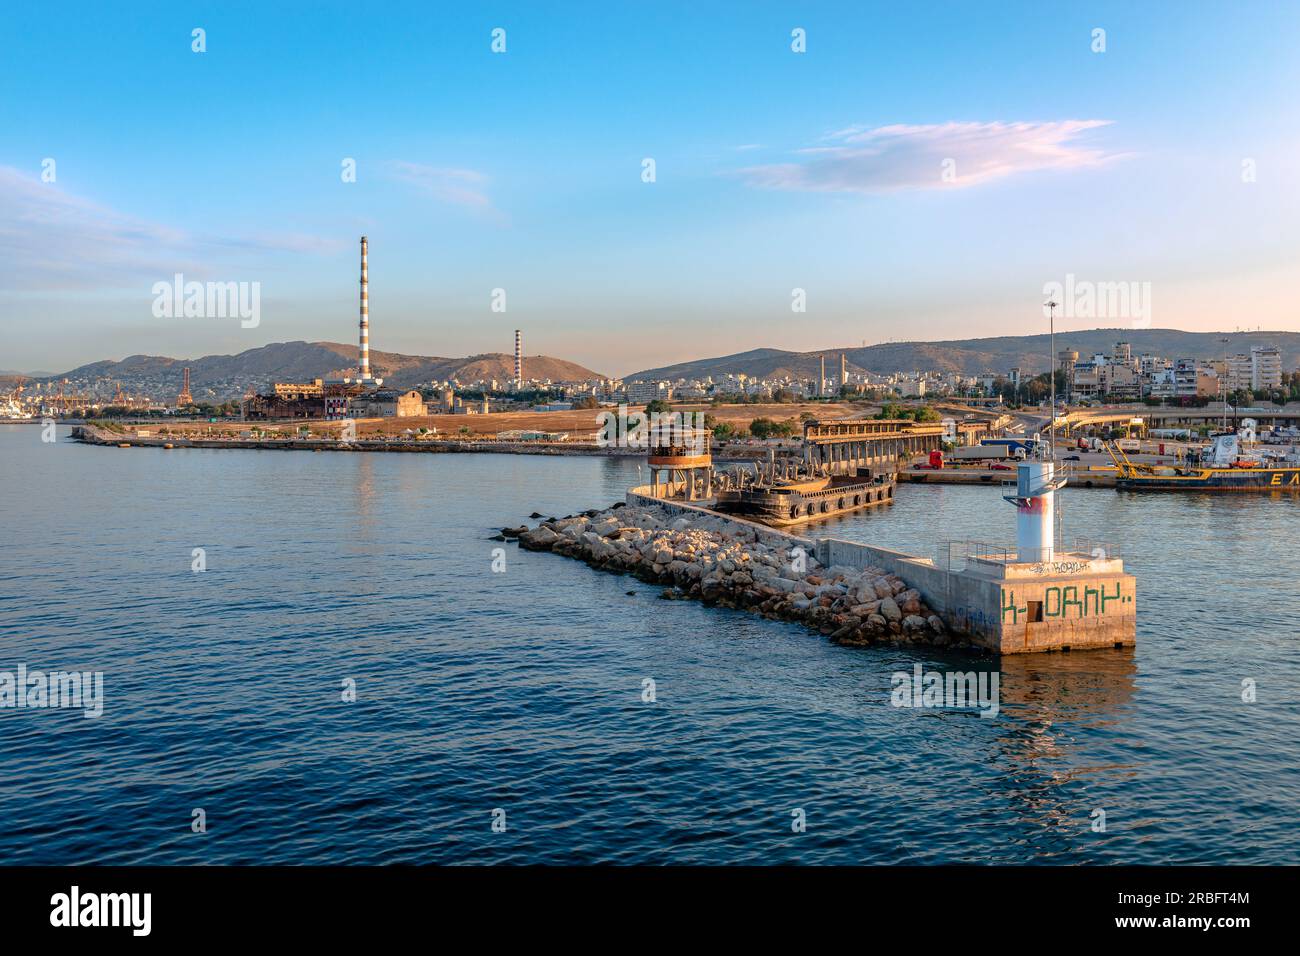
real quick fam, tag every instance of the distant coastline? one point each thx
(91, 435)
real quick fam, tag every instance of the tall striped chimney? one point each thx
(821, 383)
(519, 360)
(364, 365)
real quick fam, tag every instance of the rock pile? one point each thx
(721, 563)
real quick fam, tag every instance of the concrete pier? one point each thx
(1077, 601)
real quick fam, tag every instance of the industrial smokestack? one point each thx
(364, 364)
(519, 360)
(844, 370)
(821, 384)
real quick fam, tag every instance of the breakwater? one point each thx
(722, 562)
(994, 602)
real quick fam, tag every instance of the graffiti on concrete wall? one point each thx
(1062, 567)
(1068, 601)
(975, 617)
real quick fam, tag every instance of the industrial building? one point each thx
(332, 399)
(387, 403)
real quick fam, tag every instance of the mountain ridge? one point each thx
(299, 361)
(996, 354)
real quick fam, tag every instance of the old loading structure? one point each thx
(845, 445)
(843, 465)
(846, 464)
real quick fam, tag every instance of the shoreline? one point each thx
(88, 434)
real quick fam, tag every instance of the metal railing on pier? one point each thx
(958, 555)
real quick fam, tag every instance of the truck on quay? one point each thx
(1030, 446)
(997, 452)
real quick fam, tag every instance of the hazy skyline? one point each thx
(920, 173)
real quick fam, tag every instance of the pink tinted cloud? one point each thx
(890, 158)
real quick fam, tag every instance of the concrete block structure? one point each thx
(1076, 601)
(388, 403)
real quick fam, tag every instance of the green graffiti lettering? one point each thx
(1015, 611)
(1108, 597)
(1069, 599)
(1048, 609)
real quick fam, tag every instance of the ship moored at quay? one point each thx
(1224, 466)
(788, 502)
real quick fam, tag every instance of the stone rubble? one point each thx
(720, 563)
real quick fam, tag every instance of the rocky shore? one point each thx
(721, 563)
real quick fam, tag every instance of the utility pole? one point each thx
(1224, 383)
(1051, 375)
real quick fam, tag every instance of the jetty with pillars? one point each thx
(846, 445)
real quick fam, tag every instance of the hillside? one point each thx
(215, 377)
(973, 356)
(228, 375)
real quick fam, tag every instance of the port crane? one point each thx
(1124, 466)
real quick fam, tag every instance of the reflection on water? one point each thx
(1053, 701)
(523, 689)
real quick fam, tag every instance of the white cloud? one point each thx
(889, 158)
(461, 187)
(53, 240)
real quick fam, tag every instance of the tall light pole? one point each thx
(1051, 376)
(1224, 382)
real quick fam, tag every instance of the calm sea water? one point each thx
(520, 691)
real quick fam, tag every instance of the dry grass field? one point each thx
(576, 424)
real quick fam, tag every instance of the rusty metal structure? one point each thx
(315, 399)
(681, 464)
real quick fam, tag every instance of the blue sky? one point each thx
(775, 170)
